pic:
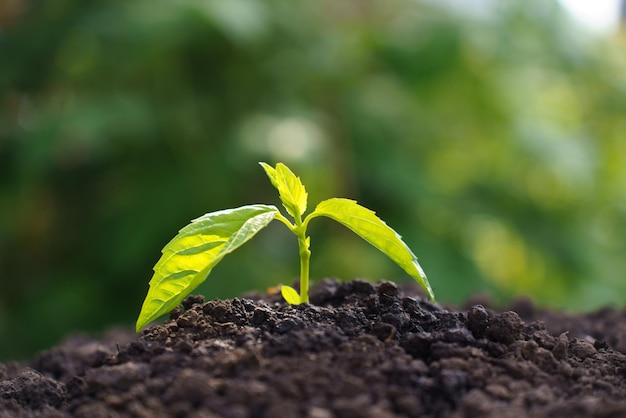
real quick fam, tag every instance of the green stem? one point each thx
(281, 218)
(305, 256)
(299, 229)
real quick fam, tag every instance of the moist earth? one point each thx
(357, 350)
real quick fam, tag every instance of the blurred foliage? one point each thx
(492, 138)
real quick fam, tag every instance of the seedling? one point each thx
(190, 256)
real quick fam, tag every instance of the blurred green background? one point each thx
(493, 140)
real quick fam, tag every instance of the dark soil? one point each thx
(357, 351)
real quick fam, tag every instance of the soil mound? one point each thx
(357, 351)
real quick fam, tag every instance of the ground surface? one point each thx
(358, 351)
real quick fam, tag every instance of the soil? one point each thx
(357, 350)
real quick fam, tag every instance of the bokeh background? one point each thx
(492, 138)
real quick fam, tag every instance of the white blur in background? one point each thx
(600, 16)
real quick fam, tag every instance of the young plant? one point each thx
(190, 256)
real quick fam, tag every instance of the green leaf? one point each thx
(290, 295)
(290, 189)
(188, 259)
(372, 229)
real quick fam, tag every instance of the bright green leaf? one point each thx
(290, 189)
(188, 259)
(290, 295)
(372, 229)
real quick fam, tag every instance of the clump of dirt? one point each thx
(357, 350)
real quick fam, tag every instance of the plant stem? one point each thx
(299, 229)
(305, 255)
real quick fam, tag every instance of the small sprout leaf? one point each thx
(290, 295)
(372, 229)
(290, 189)
(189, 257)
